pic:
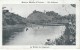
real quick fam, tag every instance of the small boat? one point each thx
(26, 29)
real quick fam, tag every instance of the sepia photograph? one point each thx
(39, 24)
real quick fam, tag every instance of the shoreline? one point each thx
(10, 30)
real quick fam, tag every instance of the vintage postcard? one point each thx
(40, 24)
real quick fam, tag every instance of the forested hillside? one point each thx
(12, 18)
(49, 17)
(11, 23)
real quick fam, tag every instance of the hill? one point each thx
(11, 23)
(49, 17)
(12, 19)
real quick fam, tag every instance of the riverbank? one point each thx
(69, 36)
(10, 30)
(17, 27)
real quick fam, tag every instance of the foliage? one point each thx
(12, 19)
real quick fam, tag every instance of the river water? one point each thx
(37, 35)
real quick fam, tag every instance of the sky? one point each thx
(25, 9)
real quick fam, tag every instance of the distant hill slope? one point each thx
(12, 19)
(49, 17)
(39, 17)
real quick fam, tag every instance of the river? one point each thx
(37, 35)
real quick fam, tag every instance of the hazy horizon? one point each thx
(25, 9)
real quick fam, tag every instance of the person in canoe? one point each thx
(26, 29)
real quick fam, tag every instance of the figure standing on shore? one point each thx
(49, 42)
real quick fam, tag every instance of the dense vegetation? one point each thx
(51, 18)
(12, 23)
(69, 36)
(12, 19)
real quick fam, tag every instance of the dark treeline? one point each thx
(11, 23)
(49, 17)
(69, 36)
(12, 18)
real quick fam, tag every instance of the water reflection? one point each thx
(37, 35)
